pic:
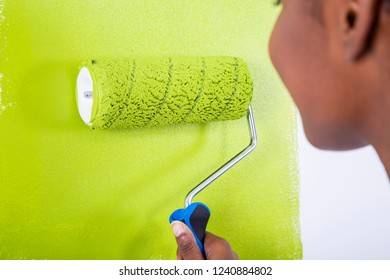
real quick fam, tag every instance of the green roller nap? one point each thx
(159, 91)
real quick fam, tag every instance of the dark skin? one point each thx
(334, 58)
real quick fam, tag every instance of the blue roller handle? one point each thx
(195, 216)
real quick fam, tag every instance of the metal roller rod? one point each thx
(229, 164)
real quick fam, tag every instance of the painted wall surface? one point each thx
(68, 192)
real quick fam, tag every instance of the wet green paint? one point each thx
(68, 192)
(185, 90)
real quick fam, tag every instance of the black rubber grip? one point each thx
(199, 219)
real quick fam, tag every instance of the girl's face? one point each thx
(304, 49)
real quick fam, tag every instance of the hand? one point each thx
(216, 248)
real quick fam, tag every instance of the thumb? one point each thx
(188, 249)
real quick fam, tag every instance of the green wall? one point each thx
(68, 192)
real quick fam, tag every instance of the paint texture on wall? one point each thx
(68, 192)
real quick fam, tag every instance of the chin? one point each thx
(334, 141)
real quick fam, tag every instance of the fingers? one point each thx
(188, 249)
(217, 248)
(179, 257)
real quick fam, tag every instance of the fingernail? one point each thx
(177, 228)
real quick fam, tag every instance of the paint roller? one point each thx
(155, 91)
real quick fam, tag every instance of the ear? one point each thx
(359, 18)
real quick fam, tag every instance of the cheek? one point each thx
(275, 43)
(287, 52)
(297, 51)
